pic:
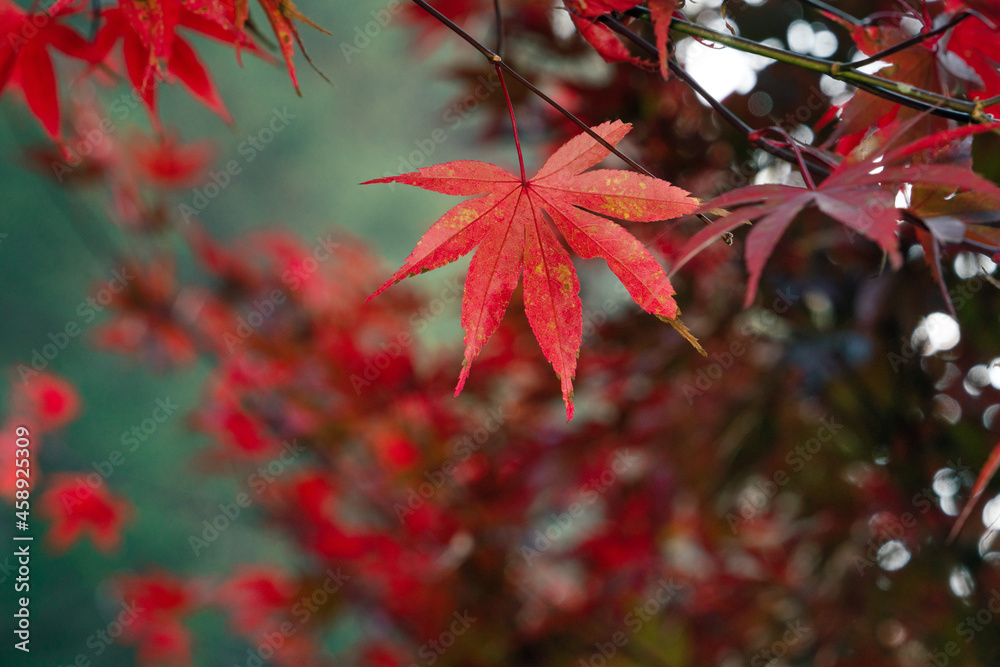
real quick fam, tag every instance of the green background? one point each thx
(55, 253)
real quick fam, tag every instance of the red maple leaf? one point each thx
(149, 42)
(255, 598)
(24, 55)
(961, 60)
(168, 163)
(281, 14)
(607, 43)
(76, 508)
(158, 631)
(598, 7)
(46, 401)
(511, 227)
(859, 193)
(662, 11)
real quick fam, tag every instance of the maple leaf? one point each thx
(158, 633)
(511, 227)
(47, 401)
(76, 509)
(606, 42)
(974, 45)
(961, 60)
(281, 13)
(168, 163)
(149, 41)
(598, 7)
(859, 193)
(24, 55)
(662, 11)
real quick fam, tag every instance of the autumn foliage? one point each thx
(796, 474)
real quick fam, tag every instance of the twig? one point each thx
(794, 145)
(839, 13)
(498, 61)
(905, 44)
(902, 93)
(720, 108)
(499, 21)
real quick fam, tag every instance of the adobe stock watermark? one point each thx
(304, 608)
(795, 633)
(454, 117)
(257, 482)
(893, 529)
(720, 362)
(87, 311)
(363, 35)
(633, 621)
(130, 440)
(594, 319)
(252, 146)
(261, 310)
(816, 101)
(419, 321)
(560, 524)
(431, 651)
(755, 499)
(959, 295)
(967, 629)
(95, 141)
(33, 22)
(102, 639)
(743, 173)
(462, 447)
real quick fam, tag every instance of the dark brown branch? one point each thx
(905, 44)
(727, 115)
(497, 60)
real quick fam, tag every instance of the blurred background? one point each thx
(389, 95)
(56, 252)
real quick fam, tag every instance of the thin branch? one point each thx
(794, 145)
(499, 22)
(498, 61)
(720, 108)
(502, 66)
(455, 28)
(907, 43)
(83, 221)
(902, 93)
(839, 13)
(905, 101)
(988, 102)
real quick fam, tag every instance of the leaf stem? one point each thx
(498, 61)
(794, 145)
(513, 122)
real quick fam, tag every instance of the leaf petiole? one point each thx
(513, 122)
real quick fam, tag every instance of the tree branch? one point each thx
(721, 109)
(499, 62)
(901, 93)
